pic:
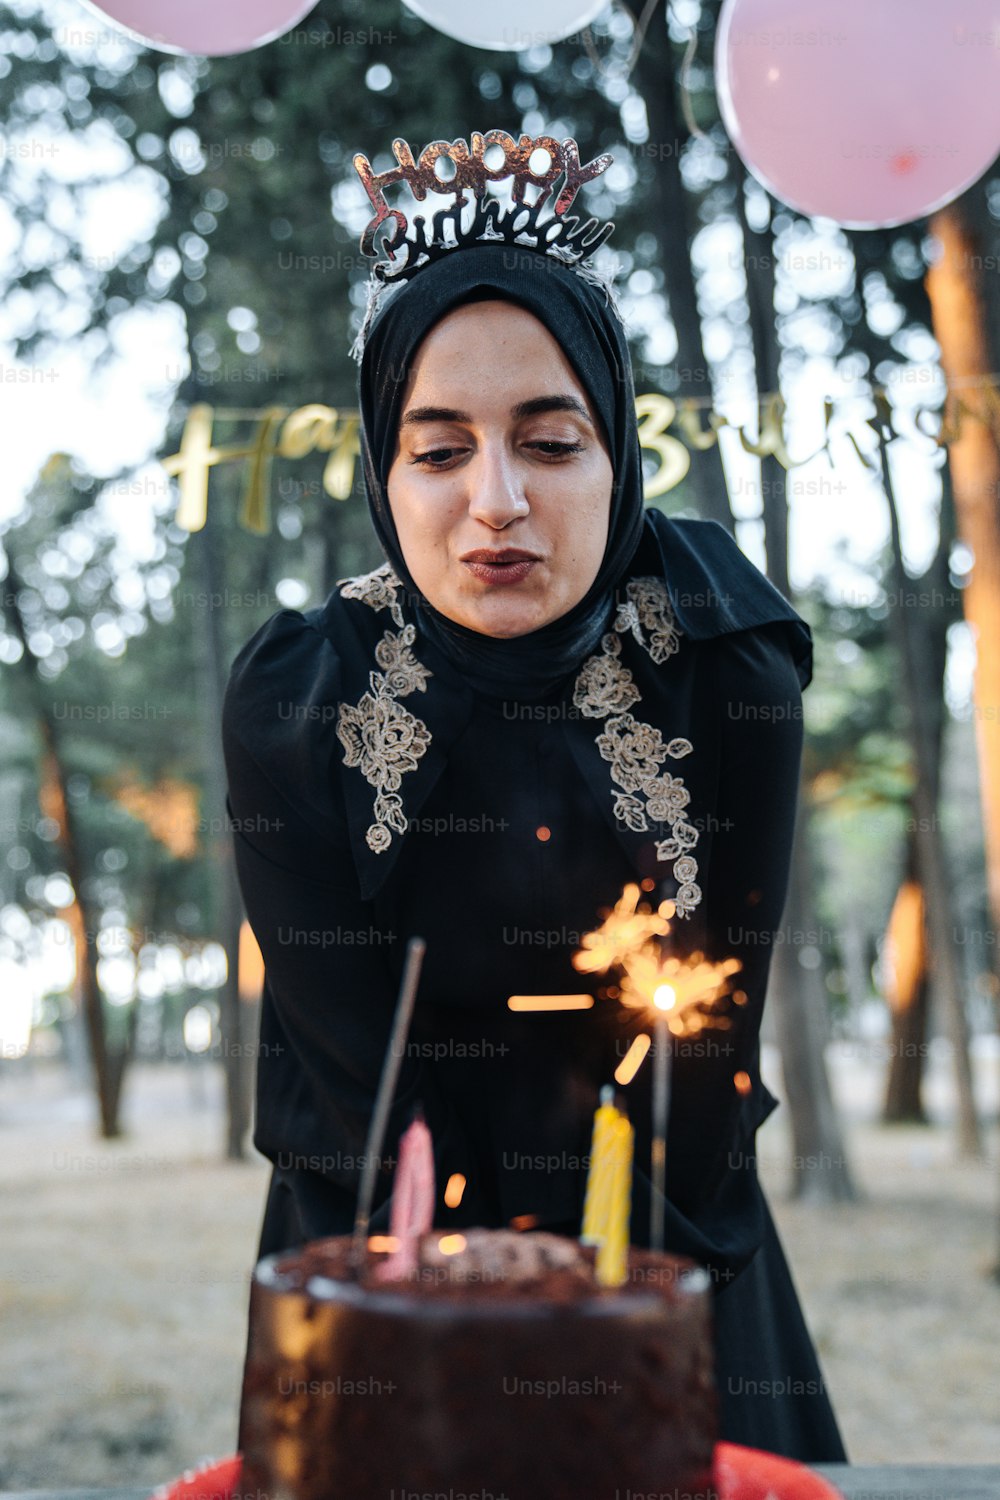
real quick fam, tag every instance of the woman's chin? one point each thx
(503, 618)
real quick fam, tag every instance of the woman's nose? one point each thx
(496, 487)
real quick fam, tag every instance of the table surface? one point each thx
(878, 1482)
(914, 1481)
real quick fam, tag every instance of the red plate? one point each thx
(747, 1474)
(740, 1474)
(213, 1481)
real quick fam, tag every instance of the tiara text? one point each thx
(563, 236)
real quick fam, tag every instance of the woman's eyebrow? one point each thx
(540, 404)
(532, 408)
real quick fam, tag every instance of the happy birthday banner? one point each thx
(670, 429)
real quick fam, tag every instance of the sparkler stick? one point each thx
(663, 999)
(415, 950)
(629, 941)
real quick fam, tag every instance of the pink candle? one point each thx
(412, 1211)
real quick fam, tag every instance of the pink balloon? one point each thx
(870, 112)
(211, 28)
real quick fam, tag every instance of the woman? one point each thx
(544, 694)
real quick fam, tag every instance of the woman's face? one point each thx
(500, 487)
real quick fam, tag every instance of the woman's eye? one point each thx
(435, 458)
(551, 448)
(547, 448)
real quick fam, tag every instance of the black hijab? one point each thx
(578, 315)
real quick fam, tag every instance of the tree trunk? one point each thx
(941, 920)
(922, 633)
(907, 992)
(237, 1046)
(119, 1060)
(108, 1071)
(959, 322)
(909, 987)
(820, 1169)
(669, 219)
(967, 328)
(83, 920)
(758, 264)
(853, 943)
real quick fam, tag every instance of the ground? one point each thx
(123, 1282)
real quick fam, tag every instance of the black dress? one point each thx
(497, 830)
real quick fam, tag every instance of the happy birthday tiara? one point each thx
(562, 237)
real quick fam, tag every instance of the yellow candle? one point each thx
(595, 1203)
(612, 1254)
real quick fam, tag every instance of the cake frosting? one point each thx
(497, 1369)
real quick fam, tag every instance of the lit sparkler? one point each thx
(678, 996)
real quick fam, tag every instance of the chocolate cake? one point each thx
(498, 1368)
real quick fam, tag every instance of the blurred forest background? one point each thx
(124, 963)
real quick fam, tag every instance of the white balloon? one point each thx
(507, 25)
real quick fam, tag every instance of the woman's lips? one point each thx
(500, 568)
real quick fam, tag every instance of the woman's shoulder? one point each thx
(294, 664)
(286, 666)
(286, 688)
(279, 716)
(717, 593)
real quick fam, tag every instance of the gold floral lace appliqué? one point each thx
(605, 689)
(379, 589)
(379, 735)
(385, 740)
